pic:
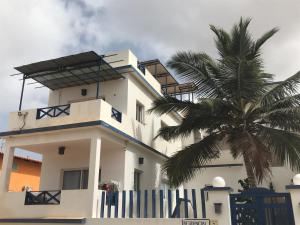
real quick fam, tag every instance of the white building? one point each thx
(96, 130)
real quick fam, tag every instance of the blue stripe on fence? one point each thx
(116, 194)
(123, 203)
(138, 204)
(161, 203)
(146, 204)
(177, 204)
(170, 203)
(194, 202)
(108, 200)
(186, 212)
(102, 204)
(130, 204)
(153, 204)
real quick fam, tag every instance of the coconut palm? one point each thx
(238, 103)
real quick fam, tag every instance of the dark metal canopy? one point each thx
(69, 71)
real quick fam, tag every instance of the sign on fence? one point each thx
(195, 222)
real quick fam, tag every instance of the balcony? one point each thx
(79, 112)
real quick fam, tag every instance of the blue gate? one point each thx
(260, 206)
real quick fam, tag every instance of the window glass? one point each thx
(85, 179)
(140, 112)
(15, 166)
(71, 180)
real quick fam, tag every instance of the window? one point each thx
(15, 166)
(137, 180)
(75, 179)
(140, 112)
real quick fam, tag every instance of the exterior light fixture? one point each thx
(61, 150)
(84, 92)
(141, 160)
(218, 182)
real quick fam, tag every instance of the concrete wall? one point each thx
(54, 165)
(125, 222)
(74, 203)
(150, 170)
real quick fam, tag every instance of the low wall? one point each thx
(74, 203)
(124, 222)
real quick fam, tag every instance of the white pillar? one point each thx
(217, 195)
(295, 197)
(94, 166)
(6, 168)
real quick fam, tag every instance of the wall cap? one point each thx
(292, 186)
(217, 189)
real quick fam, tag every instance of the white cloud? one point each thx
(34, 30)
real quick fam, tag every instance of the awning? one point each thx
(69, 71)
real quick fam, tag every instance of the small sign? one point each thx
(195, 222)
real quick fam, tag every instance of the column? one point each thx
(94, 166)
(216, 203)
(6, 168)
(294, 191)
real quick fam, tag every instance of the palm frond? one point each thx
(197, 68)
(284, 145)
(183, 165)
(223, 41)
(167, 104)
(259, 42)
(281, 90)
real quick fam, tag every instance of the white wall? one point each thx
(54, 164)
(112, 164)
(114, 91)
(151, 169)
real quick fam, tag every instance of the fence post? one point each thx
(214, 197)
(294, 191)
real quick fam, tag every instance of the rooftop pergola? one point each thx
(169, 84)
(69, 71)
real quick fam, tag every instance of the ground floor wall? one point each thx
(121, 222)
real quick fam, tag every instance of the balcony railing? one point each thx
(141, 67)
(42, 197)
(53, 111)
(117, 115)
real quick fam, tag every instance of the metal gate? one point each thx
(260, 206)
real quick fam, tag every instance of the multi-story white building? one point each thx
(96, 130)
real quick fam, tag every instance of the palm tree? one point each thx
(237, 102)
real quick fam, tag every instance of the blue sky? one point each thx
(35, 30)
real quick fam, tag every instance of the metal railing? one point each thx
(141, 67)
(150, 204)
(42, 197)
(53, 111)
(117, 115)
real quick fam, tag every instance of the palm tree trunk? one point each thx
(249, 170)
